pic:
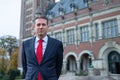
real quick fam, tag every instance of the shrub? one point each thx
(13, 73)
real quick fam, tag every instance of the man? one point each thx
(45, 66)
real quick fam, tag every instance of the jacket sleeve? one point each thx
(24, 62)
(59, 59)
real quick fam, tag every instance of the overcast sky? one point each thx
(10, 17)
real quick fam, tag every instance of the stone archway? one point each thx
(105, 53)
(84, 60)
(71, 63)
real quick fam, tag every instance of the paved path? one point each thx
(71, 76)
(68, 76)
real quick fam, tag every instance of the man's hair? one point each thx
(40, 17)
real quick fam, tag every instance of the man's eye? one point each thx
(38, 24)
(43, 24)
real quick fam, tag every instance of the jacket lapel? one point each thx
(48, 48)
(32, 48)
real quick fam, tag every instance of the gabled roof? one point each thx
(66, 6)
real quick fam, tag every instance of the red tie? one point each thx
(39, 51)
(39, 56)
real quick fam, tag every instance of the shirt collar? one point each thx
(45, 39)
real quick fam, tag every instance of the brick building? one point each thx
(89, 30)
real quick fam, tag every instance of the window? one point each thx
(89, 1)
(70, 36)
(110, 28)
(97, 31)
(58, 36)
(84, 34)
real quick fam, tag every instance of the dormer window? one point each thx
(74, 8)
(88, 3)
(61, 11)
(51, 15)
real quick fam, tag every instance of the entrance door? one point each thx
(114, 62)
(117, 65)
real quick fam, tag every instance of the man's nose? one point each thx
(41, 26)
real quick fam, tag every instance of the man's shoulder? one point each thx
(28, 39)
(55, 40)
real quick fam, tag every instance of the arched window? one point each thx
(114, 62)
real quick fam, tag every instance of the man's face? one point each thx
(41, 27)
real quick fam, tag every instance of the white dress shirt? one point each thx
(44, 45)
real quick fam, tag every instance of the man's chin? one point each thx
(41, 35)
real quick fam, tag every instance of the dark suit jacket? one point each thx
(51, 64)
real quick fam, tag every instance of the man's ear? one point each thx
(33, 31)
(49, 29)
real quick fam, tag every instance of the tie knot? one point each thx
(40, 41)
